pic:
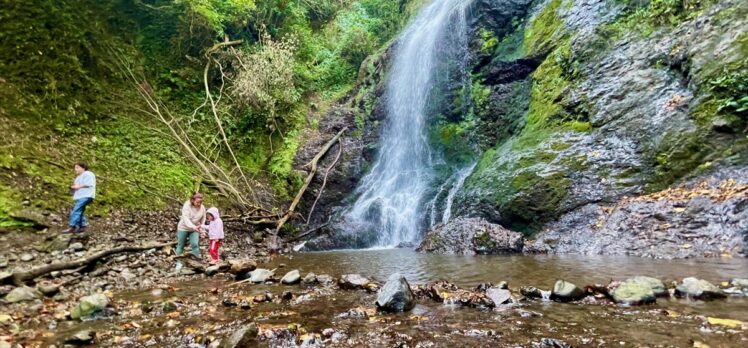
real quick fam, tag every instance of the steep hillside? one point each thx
(66, 94)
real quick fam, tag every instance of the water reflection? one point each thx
(541, 270)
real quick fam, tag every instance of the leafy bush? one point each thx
(731, 89)
(265, 80)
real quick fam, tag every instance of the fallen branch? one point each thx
(308, 232)
(213, 108)
(307, 181)
(324, 182)
(18, 278)
(248, 279)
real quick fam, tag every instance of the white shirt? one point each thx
(88, 180)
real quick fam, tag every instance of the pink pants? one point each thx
(213, 248)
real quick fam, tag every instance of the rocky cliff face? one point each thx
(595, 102)
(578, 105)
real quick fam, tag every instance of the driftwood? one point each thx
(18, 278)
(248, 279)
(307, 181)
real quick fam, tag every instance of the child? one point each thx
(215, 233)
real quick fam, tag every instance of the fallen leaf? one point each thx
(731, 323)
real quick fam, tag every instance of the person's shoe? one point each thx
(178, 268)
(70, 230)
(82, 229)
(213, 262)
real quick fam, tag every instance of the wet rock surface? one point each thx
(471, 236)
(572, 189)
(353, 282)
(395, 295)
(698, 289)
(292, 277)
(634, 292)
(703, 217)
(564, 291)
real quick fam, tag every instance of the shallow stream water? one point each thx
(201, 317)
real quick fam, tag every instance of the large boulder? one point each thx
(564, 291)
(22, 294)
(89, 305)
(471, 236)
(698, 289)
(395, 295)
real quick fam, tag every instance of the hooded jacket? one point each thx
(215, 227)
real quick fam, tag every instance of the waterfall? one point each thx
(390, 196)
(461, 176)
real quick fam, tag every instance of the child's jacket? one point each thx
(215, 227)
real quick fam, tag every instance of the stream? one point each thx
(202, 316)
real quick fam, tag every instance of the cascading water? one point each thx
(461, 176)
(390, 197)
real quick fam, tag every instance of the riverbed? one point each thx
(211, 308)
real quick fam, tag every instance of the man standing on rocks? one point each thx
(84, 191)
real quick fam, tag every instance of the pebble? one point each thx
(81, 337)
(27, 257)
(168, 307)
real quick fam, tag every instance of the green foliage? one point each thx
(669, 12)
(544, 29)
(454, 140)
(7, 206)
(645, 17)
(731, 90)
(511, 46)
(59, 77)
(551, 83)
(489, 41)
(221, 14)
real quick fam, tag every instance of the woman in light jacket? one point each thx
(190, 224)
